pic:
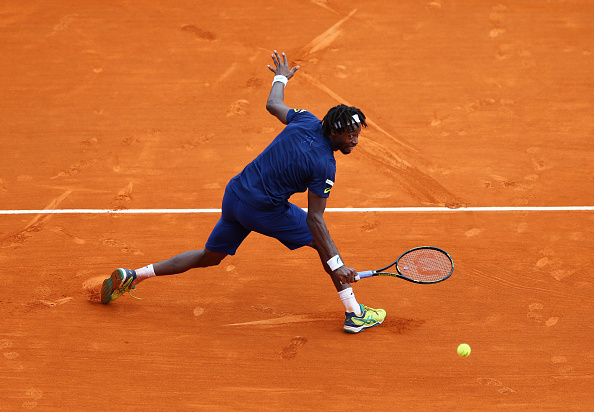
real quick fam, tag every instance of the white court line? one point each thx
(330, 209)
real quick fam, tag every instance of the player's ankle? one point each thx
(347, 297)
(144, 273)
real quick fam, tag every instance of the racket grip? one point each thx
(364, 274)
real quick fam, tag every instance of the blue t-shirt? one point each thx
(298, 159)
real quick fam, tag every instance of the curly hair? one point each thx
(341, 116)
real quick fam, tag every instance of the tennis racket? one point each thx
(425, 264)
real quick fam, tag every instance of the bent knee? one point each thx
(212, 258)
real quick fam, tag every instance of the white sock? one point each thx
(144, 273)
(347, 296)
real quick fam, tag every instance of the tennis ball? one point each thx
(463, 350)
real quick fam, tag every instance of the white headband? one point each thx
(338, 125)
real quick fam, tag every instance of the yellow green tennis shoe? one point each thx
(117, 284)
(369, 317)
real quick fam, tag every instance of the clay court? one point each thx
(122, 122)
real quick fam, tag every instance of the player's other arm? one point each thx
(324, 243)
(275, 103)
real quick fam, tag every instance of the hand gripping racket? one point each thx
(425, 264)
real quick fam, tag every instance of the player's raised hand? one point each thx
(282, 65)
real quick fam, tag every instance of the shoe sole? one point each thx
(362, 328)
(110, 284)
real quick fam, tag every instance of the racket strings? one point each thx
(425, 265)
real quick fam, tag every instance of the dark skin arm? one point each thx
(275, 104)
(323, 241)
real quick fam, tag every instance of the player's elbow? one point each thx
(270, 107)
(277, 109)
(273, 107)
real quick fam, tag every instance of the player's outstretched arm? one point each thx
(324, 244)
(275, 104)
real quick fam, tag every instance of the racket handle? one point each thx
(364, 274)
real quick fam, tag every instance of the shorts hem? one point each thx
(220, 250)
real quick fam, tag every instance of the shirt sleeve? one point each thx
(299, 114)
(323, 175)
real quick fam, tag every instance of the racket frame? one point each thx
(381, 272)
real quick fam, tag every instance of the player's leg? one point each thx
(357, 316)
(188, 260)
(179, 264)
(224, 240)
(122, 280)
(345, 291)
(289, 226)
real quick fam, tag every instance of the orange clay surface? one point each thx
(156, 105)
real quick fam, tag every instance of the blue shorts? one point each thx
(287, 223)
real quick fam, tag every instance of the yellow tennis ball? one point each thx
(463, 350)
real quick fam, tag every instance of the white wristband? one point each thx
(280, 78)
(334, 263)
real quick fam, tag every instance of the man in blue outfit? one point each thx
(300, 158)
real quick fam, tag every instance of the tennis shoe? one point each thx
(117, 284)
(369, 318)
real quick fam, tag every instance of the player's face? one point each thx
(346, 140)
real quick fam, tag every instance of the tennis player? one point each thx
(300, 158)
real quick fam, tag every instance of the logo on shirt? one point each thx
(330, 183)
